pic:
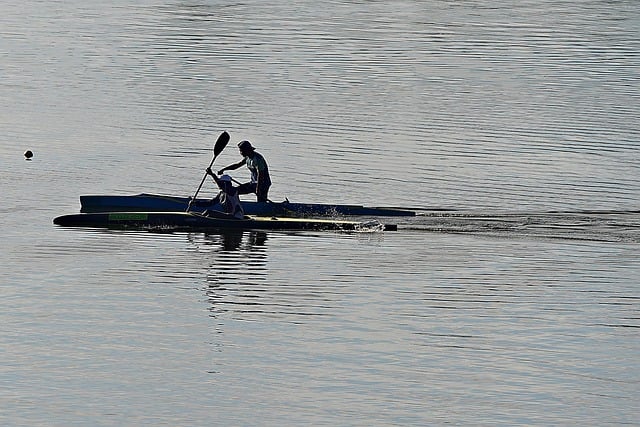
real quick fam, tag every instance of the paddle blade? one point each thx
(222, 142)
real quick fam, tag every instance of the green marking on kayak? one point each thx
(128, 216)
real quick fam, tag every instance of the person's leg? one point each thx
(246, 188)
(262, 193)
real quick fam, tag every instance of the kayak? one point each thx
(159, 203)
(192, 221)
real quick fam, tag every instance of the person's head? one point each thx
(245, 148)
(225, 180)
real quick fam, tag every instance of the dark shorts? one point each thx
(262, 193)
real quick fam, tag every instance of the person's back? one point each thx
(258, 165)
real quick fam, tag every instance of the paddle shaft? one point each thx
(204, 178)
(222, 141)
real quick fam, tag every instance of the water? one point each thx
(511, 299)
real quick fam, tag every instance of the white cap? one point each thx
(225, 178)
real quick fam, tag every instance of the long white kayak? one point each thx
(190, 221)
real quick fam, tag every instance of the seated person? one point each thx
(228, 196)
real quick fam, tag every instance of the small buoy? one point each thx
(28, 154)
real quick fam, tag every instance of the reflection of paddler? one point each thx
(228, 196)
(231, 241)
(257, 238)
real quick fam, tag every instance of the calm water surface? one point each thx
(511, 299)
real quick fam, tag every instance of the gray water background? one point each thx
(512, 128)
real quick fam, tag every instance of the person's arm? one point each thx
(233, 166)
(215, 178)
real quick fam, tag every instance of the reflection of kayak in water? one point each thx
(160, 203)
(183, 221)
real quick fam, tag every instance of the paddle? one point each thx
(222, 142)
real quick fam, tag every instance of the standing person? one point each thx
(260, 180)
(227, 197)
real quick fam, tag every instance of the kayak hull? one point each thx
(159, 203)
(183, 221)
